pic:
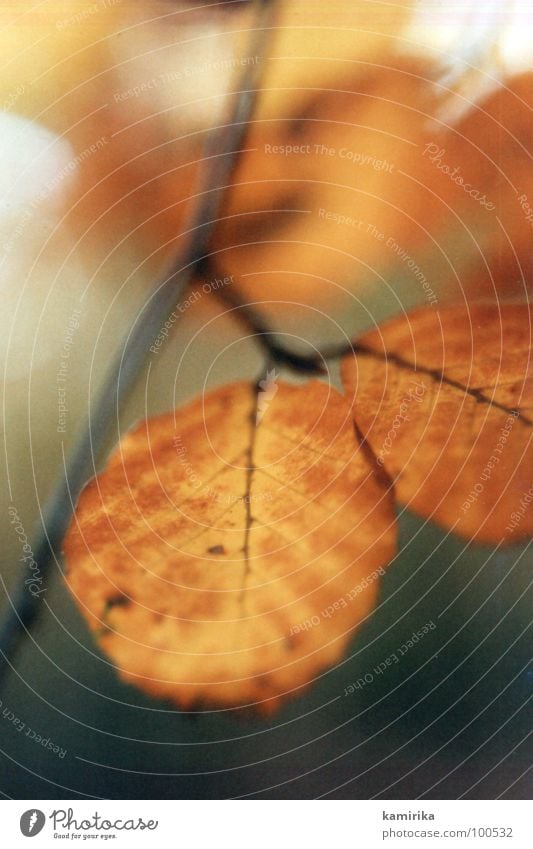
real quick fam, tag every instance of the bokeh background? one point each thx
(105, 110)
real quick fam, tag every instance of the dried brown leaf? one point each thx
(230, 549)
(445, 400)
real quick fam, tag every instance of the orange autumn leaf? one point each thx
(445, 400)
(487, 154)
(317, 45)
(372, 188)
(231, 548)
(311, 189)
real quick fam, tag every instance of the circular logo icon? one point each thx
(32, 822)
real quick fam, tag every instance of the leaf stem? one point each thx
(315, 363)
(261, 330)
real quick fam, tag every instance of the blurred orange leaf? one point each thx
(372, 188)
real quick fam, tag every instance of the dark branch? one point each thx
(265, 336)
(316, 363)
(222, 150)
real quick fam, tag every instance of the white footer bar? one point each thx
(265, 824)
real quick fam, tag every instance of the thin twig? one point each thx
(221, 151)
(254, 322)
(315, 363)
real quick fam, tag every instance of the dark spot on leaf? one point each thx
(120, 600)
(216, 549)
(290, 643)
